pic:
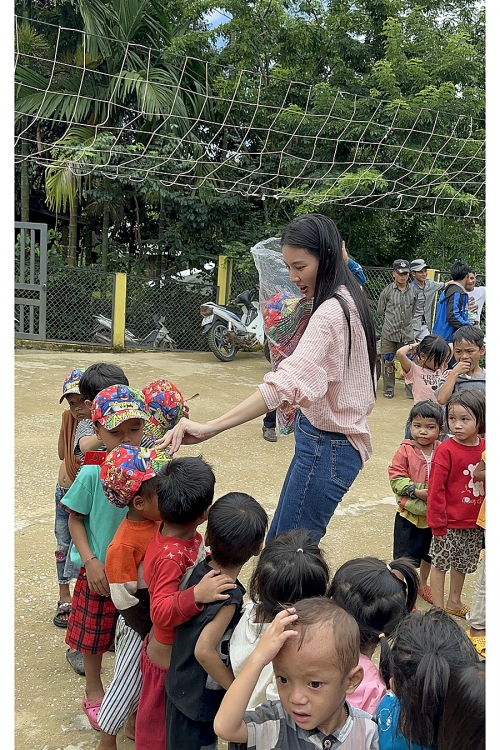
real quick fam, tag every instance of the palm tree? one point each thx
(105, 81)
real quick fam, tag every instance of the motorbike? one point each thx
(229, 330)
(158, 338)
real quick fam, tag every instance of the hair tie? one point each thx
(381, 635)
(300, 549)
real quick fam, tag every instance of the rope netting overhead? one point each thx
(144, 114)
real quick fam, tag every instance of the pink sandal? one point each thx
(91, 710)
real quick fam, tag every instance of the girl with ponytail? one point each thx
(378, 595)
(428, 648)
(290, 568)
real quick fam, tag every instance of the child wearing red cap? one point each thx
(119, 415)
(129, 479)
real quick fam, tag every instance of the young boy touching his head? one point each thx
(185, 493)
(118, 415)
(199, 666)
(129, 478)
(314, 648)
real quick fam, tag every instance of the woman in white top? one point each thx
(330, 376)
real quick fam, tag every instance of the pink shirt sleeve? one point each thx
(371, 689)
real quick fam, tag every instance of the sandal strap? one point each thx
(63, 608)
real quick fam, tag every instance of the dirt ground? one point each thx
(48, 692)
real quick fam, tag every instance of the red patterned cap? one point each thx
(126, 468)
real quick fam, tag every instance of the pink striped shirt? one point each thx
(334, 394)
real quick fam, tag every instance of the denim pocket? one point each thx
(345, 462)
(306, 428)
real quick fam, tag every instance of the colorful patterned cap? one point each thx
(116, 404)
(165, 404)
(71, 383)
(126, 468)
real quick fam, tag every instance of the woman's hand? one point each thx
(185, 432)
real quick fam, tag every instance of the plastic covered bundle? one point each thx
(285, 311)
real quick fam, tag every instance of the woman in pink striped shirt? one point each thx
(329, 376)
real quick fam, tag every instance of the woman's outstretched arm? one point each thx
(187, 432)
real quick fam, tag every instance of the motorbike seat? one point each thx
(244, 298)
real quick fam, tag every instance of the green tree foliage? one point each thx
(387, 67)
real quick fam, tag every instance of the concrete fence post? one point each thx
(119, 308)
(224, 276)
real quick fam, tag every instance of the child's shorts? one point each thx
(150, 723)
(459, 549)
(92, 621)
(183, 732)
(410, 541)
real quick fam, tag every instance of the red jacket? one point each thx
(453, 497)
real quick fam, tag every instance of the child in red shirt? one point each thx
(454, 498)
(185, 493)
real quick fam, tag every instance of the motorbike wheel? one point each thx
(217, 340)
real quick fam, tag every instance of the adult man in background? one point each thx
(451, 309)
(427, 294)
(397, 304)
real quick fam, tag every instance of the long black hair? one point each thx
(378, 595)
(291, 567)
(318, 235)
(427, 648)
(464, 717)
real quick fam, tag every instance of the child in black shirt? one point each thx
(199, 671)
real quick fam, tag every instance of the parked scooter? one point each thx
(158, 338)
(228, 332)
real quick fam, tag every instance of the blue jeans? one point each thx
(63, 539)
(323, 468)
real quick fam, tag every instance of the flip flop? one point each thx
(63, 608)
(91, 710)
(426, 593)
(458, 612)
(388, 394)
(479, 643)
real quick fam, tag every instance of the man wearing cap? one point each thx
(397, 303)
(427, 289)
